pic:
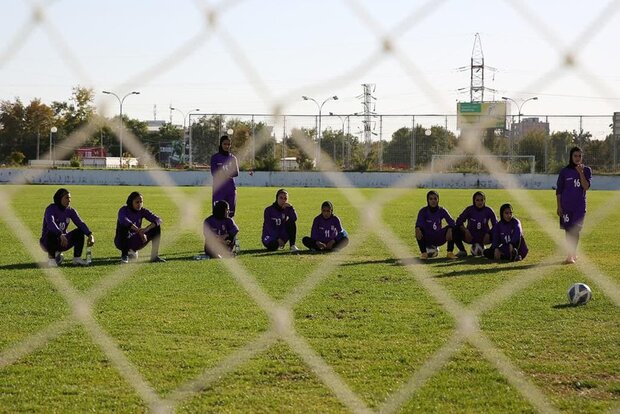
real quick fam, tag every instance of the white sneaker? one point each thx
(78, 261)
(52, 262)
(131, 255)
(294, 249)
(124, 260)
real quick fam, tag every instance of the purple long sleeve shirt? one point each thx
(223, 169)
(274, 222)
(572, 195)
(57, 220)
(221, 227)
(325, 230)
(128, 217)
(430, 222)
(505, 233)
(477, 221)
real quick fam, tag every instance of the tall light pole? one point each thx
(320, 106)
(342, 131)
(519, 107)
(53, 131)
(184, 128)
(120, 123)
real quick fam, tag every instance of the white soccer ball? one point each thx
(579, 294)
(477, 249)
(432, 251)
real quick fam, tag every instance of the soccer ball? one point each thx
(477, 249)
(579, 294)
(432, 251)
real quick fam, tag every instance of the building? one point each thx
(528, 125)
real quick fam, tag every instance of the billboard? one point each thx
(481, 114)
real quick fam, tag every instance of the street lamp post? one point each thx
(342, 130)
(320, 106)
(53, 131)
(120, 123)
(519, 107)
(189, 113)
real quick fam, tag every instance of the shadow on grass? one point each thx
(390, 261)
(564, 306)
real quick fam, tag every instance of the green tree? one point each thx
(533, 143)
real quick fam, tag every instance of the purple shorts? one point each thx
(571, 219)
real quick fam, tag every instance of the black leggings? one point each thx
(291, 231)
(311, 244)
(76, 237)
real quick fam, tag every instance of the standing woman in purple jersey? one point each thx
(428, 228)
(327, 233)
(224, 168)
(480, 220)
(508, 241)
(131, 236)
(54, 237)
(280, 224)
(573, 183)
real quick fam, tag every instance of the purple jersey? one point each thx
(128, 217)
(222, 227)
(223, 169)
(56, 221)
(274, 222)
(572, 195)
(430, 223)
(477, 221)
(325, 230)
(509, 233)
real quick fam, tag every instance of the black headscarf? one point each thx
(220, 209)
(501, 211)
(132, 197)
(476, 194)
(280, 191)
(221, 149)
(60, 193)
(573, 150)
(430, 193)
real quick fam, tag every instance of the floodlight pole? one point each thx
(519, 107)
(320, 106)
(189, 113)
(120, 121)
(53, 131)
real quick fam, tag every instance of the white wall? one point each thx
(290, 179)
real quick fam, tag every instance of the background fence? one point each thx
(537, 143)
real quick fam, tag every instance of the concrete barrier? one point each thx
(290, 179)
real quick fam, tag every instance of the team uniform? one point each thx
(506, 234)
(224, 167)
(324, 231)
(429, 222)
(279, 223)
(126, 239)
(56, 220)
(478, 220)
(224, 228)
(572, 197)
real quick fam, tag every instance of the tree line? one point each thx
(25, 129)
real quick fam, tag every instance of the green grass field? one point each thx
(368, 329)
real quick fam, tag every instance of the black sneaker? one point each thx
(158, 259)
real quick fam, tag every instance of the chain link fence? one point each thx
(537, 143)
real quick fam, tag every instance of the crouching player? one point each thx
(130, 236)
(508, 241)
(220, 232)
(54, 237)
(327, 233)
(428, 230)
(280, 224)
(477, 231)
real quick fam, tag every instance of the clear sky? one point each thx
(257, 56)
